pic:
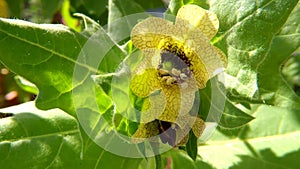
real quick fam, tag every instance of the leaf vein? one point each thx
(44, 135)
(51, 51)
(58, 152)
(243, 20)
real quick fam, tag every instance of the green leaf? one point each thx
(15, 7)
(41, 11)
(56, 63)
(95, 6)
(178, 159)
(215, 107)
(120, 13)
(191, 145)
(291, 70)
(275, 131)
(150, 4)
(118, 9)
(72, 22)
(95, 9)
(174, 5)
(32, 138)
(234, 117)
(52, 51)
(49, 8)
(126, 104)
(257, 37)
(26, 85)
(28, 48)
(282, 46)
(95, 157)
(290, 160)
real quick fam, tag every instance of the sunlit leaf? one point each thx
(35, 138)
(273, 134)
(257, 44)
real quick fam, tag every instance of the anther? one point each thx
(163, 72)
(173, 125)
(175, 72)
(183, 76)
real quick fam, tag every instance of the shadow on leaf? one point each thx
(268, 159)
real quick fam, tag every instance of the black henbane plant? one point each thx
(142, 91)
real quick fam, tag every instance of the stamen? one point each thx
(163, 72)
(175, 66)
(175, 72)
(173, 126)
(183, 76)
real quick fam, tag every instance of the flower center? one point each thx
(174, 67)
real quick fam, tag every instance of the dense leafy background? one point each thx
(257, 36)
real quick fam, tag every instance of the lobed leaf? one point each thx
(39, 53)
(52, 51)
(250, 33)
(33, 138)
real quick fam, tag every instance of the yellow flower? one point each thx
(178, 60)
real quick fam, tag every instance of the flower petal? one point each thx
(148, 33)
(189, 122)
(146, 131)
(222, 56)
(182, 133)
(198, 127)
(180, 101)
(171, 111)
(145, 83)
(206, 60)
(151, 59)
(153, 107)
(197, 17)
(182, 140)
